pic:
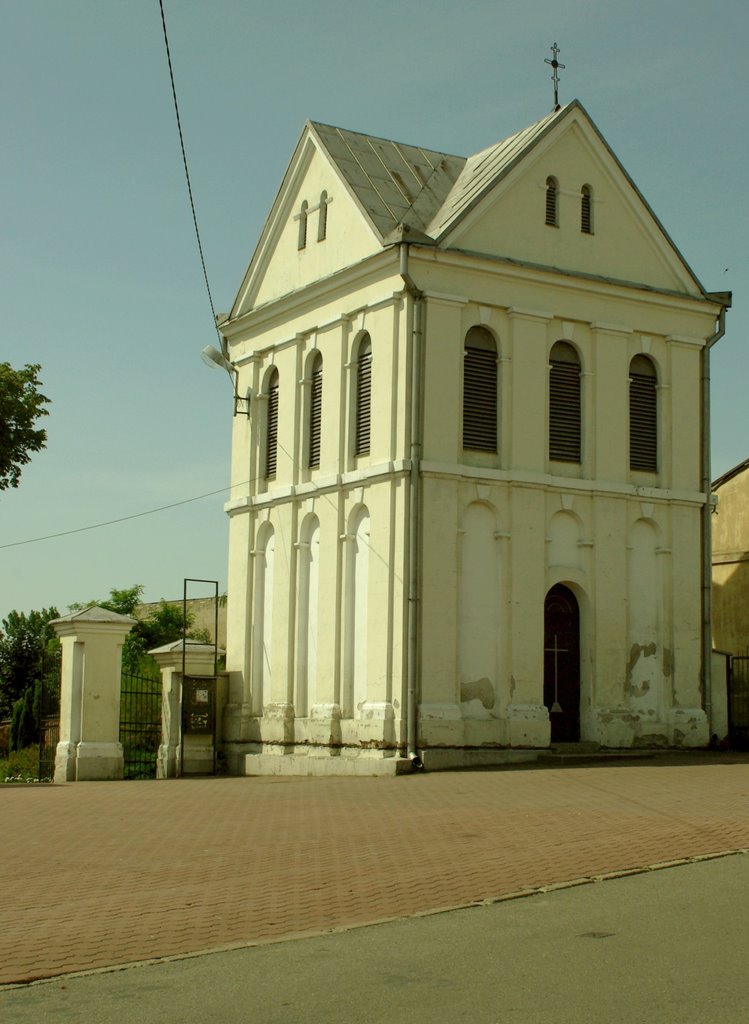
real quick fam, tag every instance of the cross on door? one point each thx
(556, 650)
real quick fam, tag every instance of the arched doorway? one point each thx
(562, 663)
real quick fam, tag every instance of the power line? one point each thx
(121, 519)
(184, 162)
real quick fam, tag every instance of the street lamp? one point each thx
(213, 358)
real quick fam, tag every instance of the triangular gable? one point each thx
(372, 186)
(496, 207)
(279, 266)
(481, 172)
(488, 203)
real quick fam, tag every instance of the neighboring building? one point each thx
(731, 561)
(203, 615)
(473, 520)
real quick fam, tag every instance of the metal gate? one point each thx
(49, 713)
(140, 724)
(738, 702)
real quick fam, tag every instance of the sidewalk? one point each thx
(99, 874)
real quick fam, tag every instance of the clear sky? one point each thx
(100, 279)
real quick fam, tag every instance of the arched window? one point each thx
(322, 220)
(302, 215)
(586, 210)
(363, 396)
(564, 403)
(315, 413)
(271, 439)
(480, 391)
(552, 195)
(643, 414)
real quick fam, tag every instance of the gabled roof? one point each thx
(482, 171)
(391, 182)
(730, 474)
(95, 614)
(400, 188)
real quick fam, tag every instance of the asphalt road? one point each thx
(662, 947)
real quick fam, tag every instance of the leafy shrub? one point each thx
(20, 766)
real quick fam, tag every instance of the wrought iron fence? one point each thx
(140, 724)
(49, 713)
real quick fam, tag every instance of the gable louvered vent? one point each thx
(586, 214)
(302, 217)
(480, 391)
(322, 222)
(363, 396)
(564, 404)
(552, 190)
(643, 415)
(271, 447)
(315, 413)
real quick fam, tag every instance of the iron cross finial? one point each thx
(555, 51)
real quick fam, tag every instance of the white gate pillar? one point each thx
(89, 746)
(197, 750)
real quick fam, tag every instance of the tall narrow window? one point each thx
(552, 196)
(564, 404)
(271, 442)
(363, 396)
(322, 217)
(302, 215)
(643, 415)
(586, 211)
(480, 391)
(315, 413)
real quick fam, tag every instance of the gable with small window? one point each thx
(552, 202)
(586, 210)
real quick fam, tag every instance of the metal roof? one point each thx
(481, 172)
(392, 182)
(430, 191)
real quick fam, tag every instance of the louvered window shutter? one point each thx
(363, 397)
(315, 414)
(564, 405)
(643, 415)
(551, 202)
(480, 392)
(586, 221)
(271, 450)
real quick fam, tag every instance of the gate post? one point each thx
(198, 751)
(89, 746)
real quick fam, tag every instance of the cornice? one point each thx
(311, 296)
(571, 279)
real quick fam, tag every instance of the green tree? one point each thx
(26, 643)
(156, 627)
(21, 404)
(24, 723)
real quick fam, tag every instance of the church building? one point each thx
(469, 507)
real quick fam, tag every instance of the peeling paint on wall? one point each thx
(481, 690)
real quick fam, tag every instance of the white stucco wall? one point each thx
(317, 652)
